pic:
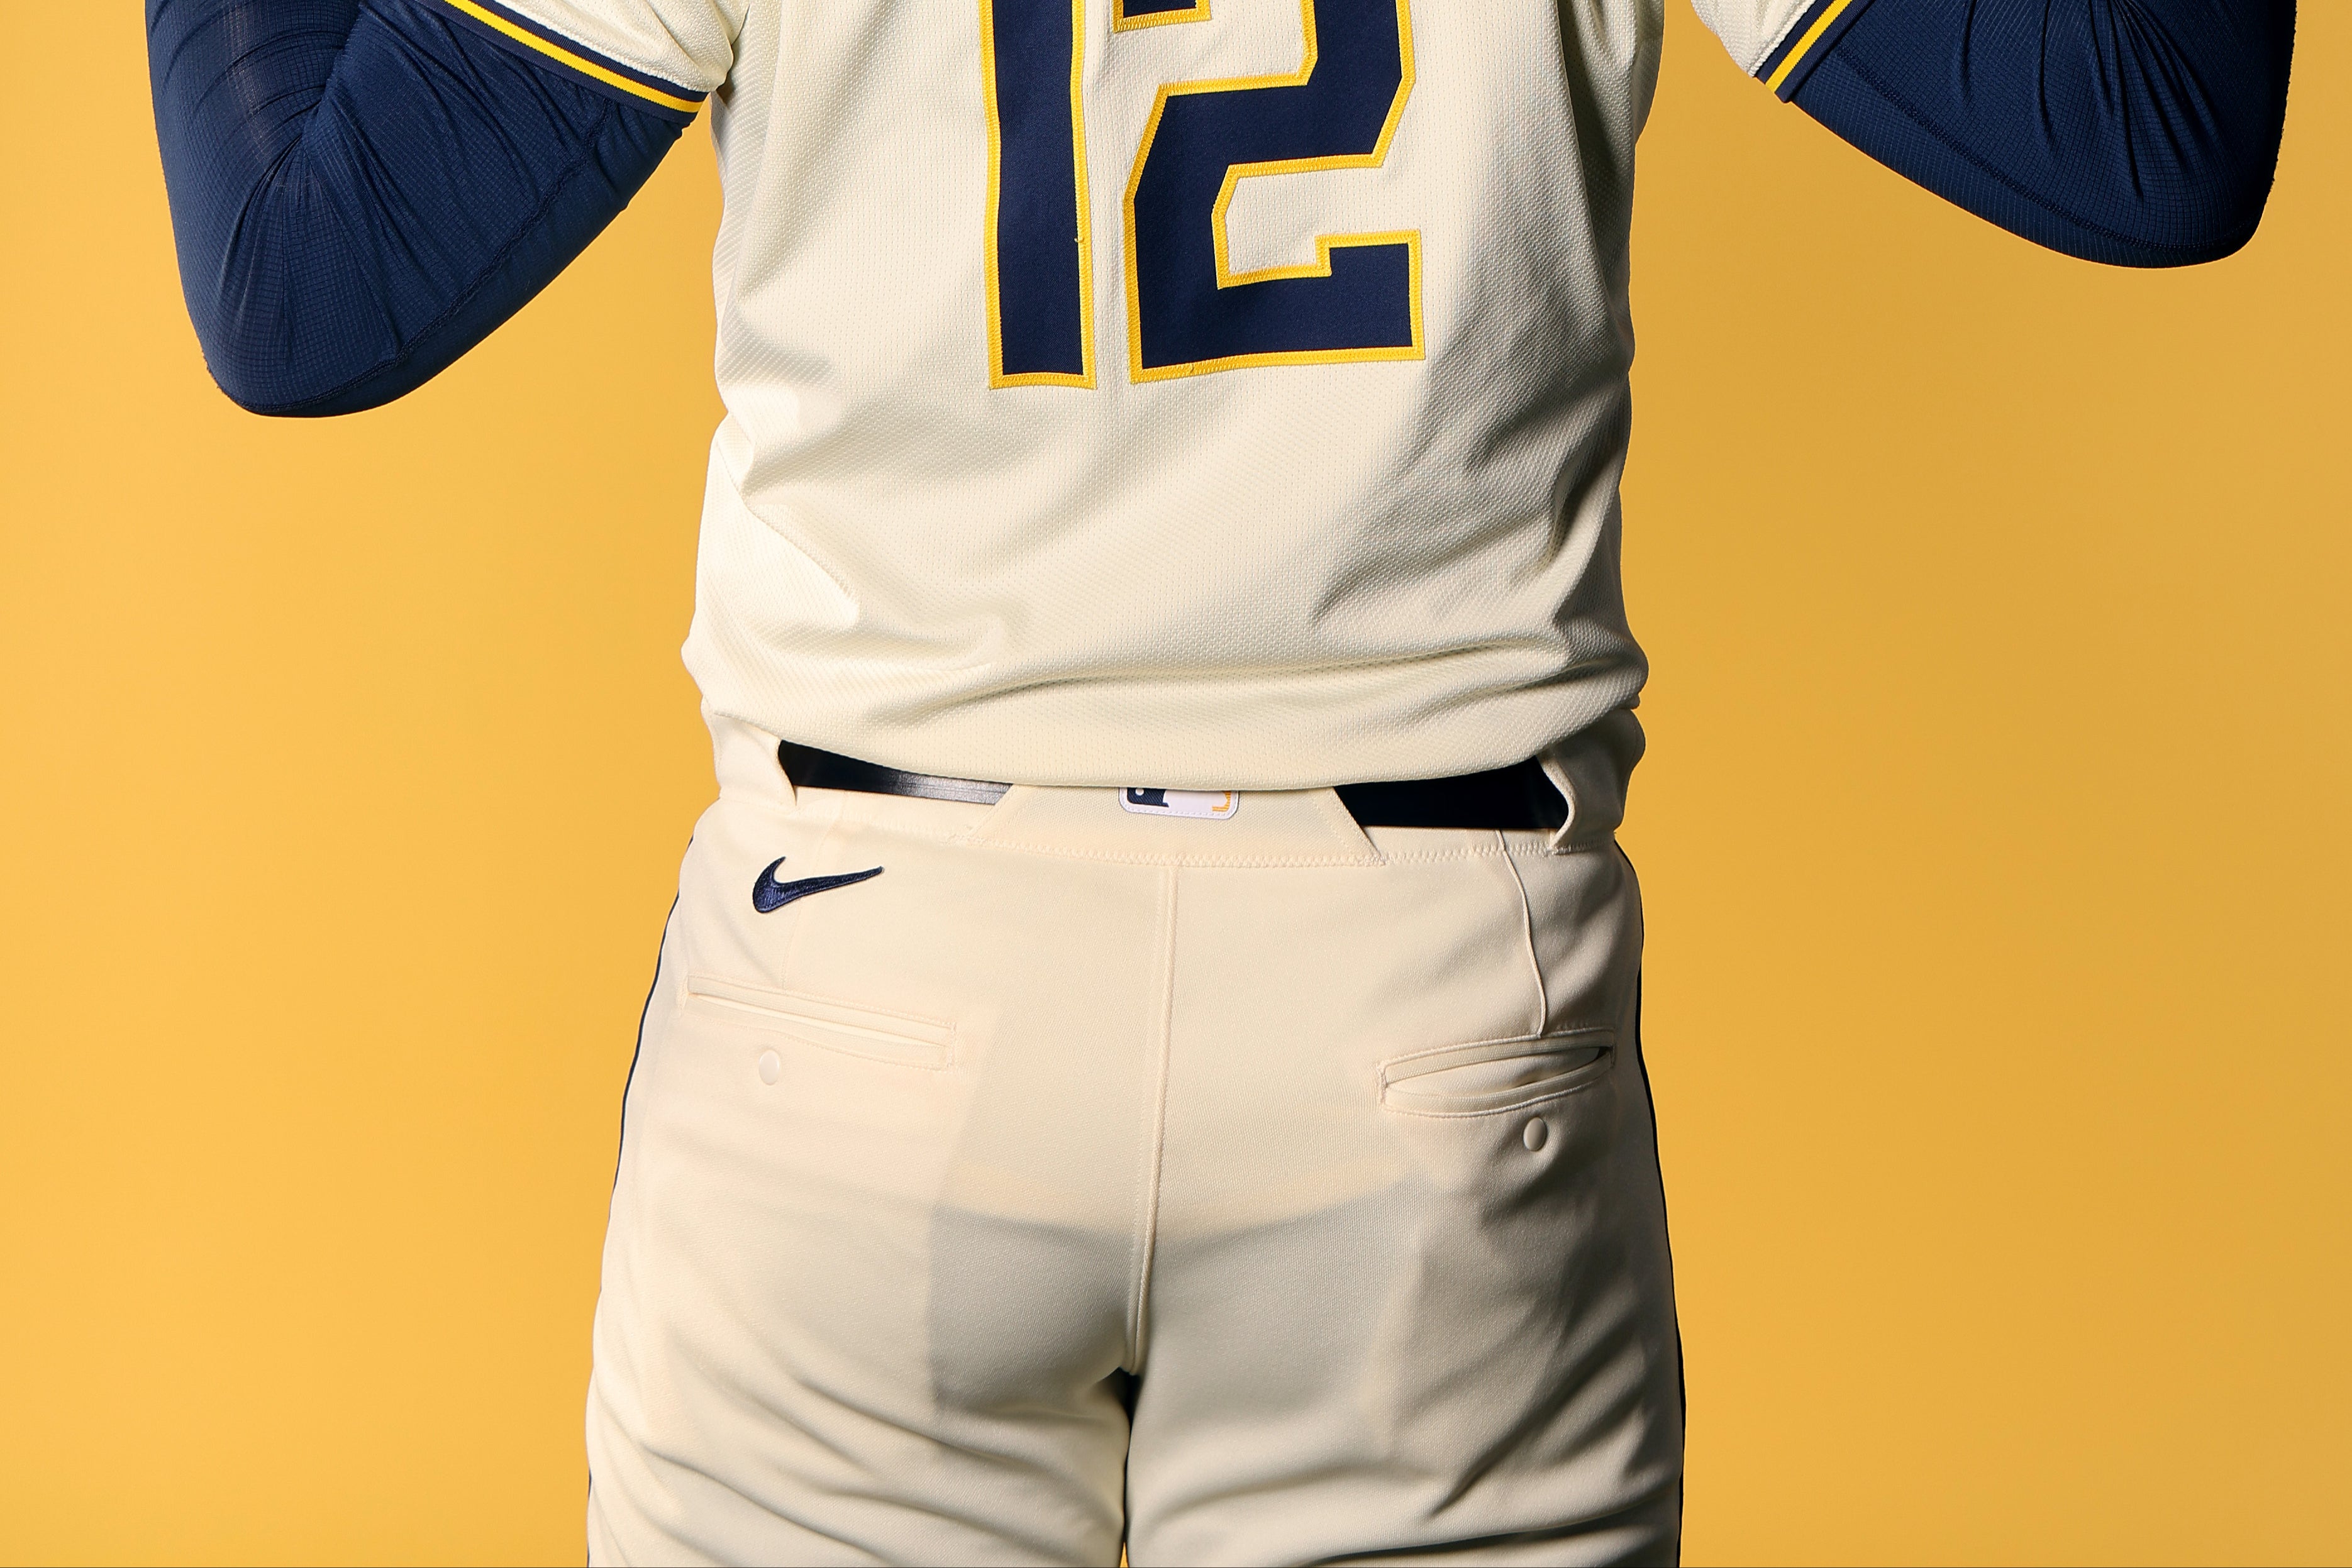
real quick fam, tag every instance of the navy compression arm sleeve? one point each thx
(2141, 132)
(361, 190)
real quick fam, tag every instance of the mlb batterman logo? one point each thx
(1213, 804)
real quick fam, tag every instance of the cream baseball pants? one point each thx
(1264, 1190)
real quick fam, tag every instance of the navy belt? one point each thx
(1519, 796)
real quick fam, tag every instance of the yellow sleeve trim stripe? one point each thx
(571, 59)
(1788, 61)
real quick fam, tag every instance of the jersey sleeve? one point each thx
(1771, 37)
(362, 189)
(2134, 132)
(664, 55)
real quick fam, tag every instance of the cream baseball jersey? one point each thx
(1205, 394)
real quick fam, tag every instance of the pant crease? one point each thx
(1148, 1233)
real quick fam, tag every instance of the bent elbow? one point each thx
(291, 315)
(2136, 148)
(301, 320)
(294, 398)
(260, 393)
(284, 360)
(2202, 214)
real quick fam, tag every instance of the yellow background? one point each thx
(1996, 830)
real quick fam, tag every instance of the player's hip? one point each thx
(1328, 1144)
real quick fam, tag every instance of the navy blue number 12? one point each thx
(1188, 310)
(1033, 66)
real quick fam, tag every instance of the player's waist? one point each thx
(1521, 796)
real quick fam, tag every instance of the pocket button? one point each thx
(1537, 1130)
(772, 1067)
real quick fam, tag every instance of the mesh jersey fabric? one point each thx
(2134, 132)
(1251, 572)
(361, 190)
(1751, 29)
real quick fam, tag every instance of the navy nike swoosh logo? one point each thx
(767, 894)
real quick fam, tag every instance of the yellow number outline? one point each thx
(996, 376)
(1324, 243)
(1120, 22)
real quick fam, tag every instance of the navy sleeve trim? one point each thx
(600, 73)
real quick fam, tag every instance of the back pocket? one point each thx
(1493, 1075)
(899, 1038)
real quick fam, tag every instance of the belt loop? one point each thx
(1592, 769)
(745, 758)
(1556, 770)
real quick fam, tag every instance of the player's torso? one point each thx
(1098, 343)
